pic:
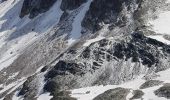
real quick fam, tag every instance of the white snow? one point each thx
(82, 94)
(45, 96)
(13, 75)
(76, 30)
(168, 1)
(18, 46)
(5, 6)
(39, 69)
(164, 76)
(8, 61)
(159, 38)
(149, 94)
(89, 93)
(50, 18)
(88, 42)
(1, 85)
(162, 23)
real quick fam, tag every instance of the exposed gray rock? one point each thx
(107, 12)
(9, 96)
(63, 95)
(56, 92)
(150, 83)
(113, 94)
(35, 7)
(2, 1)
(163, 91)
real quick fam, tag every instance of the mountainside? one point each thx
(84, 49)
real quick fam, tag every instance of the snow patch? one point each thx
(7, 62)
(76, 30)
(45, 96)
(164, 76)
(18, 45)
(88, 42)
(149, 94)
(162, 23)
(168, 1)
(89, 93)
(159, 38)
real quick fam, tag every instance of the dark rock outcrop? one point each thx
(2, 1)
(71, 4)
(104, 11)
(54, 89)
(35, 7)
(63, 67)
(163, 91)
(113, 94)
(137, 94)
(28, 86)
(150, 83)
(140, 47)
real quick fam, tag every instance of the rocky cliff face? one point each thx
(51, 47)
(34, 7)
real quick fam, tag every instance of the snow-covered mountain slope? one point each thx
(137, 89)
(110, 49)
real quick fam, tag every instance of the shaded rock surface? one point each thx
(150, 83)
(137, 94)
(35, 7)
(113, 94)
(123, 54)
(163, 91)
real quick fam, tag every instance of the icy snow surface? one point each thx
(45, 96)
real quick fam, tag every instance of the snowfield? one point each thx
(161, 26)
(160, 38)
(89, 93)
(162, 23)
